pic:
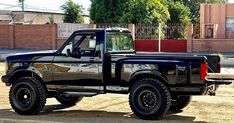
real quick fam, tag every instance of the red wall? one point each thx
(166, 45)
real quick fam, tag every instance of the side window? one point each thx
(85, 45)
(68, 46)
(82, 44)
(119, 42)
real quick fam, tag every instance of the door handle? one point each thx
(92, 59)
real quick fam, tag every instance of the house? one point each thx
(217, 21)
(5, 17)
(33, 17)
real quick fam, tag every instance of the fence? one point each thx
(111, 25)
(167, 31)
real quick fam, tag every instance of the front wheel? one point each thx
(149, 99)
(27, 96)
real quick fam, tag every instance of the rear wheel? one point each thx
(179, 102)
(27, 96)
(68, 101)
(149, 99)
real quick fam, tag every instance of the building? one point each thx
(217, 21)
(5, 17)
(33, 17)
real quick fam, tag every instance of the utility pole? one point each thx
(22, 4)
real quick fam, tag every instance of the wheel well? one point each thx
(147, 75)
(24, 74)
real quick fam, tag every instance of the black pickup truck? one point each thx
(100, 61)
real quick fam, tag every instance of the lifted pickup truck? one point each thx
(99, 61)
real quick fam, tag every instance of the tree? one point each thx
(194, 6)
(179, 18)
(179, 13)
(109, 11)
(128, 11)
(149, 11)
(73, 12)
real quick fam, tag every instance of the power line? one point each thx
(25, 6)
(9, 7)
(36, 8)
(7, 4)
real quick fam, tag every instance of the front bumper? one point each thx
(5, 79)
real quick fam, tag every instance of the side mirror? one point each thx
(68, 53)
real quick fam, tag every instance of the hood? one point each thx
(29, 56)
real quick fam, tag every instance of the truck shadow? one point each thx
(56, 113)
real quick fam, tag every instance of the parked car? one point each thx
(100, 61)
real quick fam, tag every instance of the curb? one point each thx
(3, 57)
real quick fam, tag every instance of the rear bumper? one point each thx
(5, 79)
(208, 87)
(212, 85)
(218, 82)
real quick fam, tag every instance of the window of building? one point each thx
(229, 24)
(209, 28)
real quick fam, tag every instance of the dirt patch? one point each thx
(114, 108)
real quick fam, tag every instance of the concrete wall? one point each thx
(213, 45)
(215, 15)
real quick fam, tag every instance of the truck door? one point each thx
(77, 64)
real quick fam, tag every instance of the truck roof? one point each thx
(114, 29)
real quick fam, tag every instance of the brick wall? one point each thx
(5, 36)
(60, 42)
(33, 36)
(213, 45)
(28, 36)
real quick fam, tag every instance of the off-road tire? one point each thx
(179, 102)
(68, 101)
(158, 95)
(27, 96)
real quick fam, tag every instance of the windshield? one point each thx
(119, 41)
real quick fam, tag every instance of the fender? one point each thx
(150, 73)
(25, 69)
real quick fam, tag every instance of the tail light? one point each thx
(218, 68)
(203, 71)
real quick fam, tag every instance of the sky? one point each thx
(50, 5)
(45, 5)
